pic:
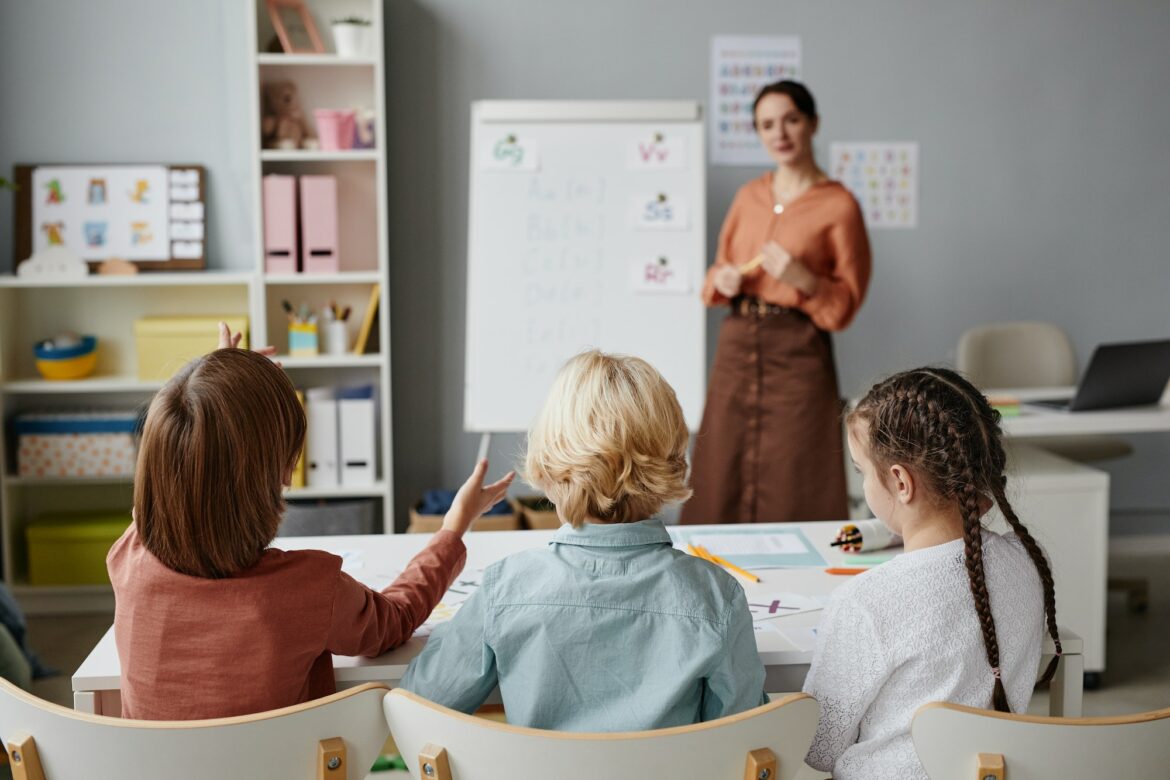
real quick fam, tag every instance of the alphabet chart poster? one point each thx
(740, 66)
(884, 179)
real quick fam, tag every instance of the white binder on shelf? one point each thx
(357, 426)
(321, 446)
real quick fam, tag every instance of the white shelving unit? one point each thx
(330, 81)
(108, 306)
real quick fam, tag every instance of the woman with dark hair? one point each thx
(793, 265)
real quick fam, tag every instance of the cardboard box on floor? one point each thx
(428, 524)
(538, 513)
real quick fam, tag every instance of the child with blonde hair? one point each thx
(209, 620)
(609, 628)
(960, 616)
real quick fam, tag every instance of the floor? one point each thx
(1138, 647)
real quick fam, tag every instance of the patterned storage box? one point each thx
(76, 444)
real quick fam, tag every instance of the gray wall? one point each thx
(1042, 128)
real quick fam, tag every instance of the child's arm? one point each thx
(457, 668)
(736, 683)
(847, 671)
(366, 622)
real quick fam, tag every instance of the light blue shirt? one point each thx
(608, 629)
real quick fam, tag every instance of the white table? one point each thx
(1074, 520)
(96, 681)
(1037, 421)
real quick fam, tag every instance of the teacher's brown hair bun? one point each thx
(803, 99)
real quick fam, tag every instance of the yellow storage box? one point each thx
(166, 344)
(70, 549)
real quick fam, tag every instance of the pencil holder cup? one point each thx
(302, 339)
(335, 337)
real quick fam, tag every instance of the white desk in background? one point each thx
(96, 681)
(1069, 505)
(1039, 422)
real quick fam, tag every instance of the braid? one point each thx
(1042, 568)
(964, 486)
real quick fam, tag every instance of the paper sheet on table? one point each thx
(753, 548)
(740, 544)
(803, 637)
(778, 605)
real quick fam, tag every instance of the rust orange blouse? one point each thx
(822, 228)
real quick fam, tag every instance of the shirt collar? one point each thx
(644, 532)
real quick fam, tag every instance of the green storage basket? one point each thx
(71, 548)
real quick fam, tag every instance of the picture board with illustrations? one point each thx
(154, 216)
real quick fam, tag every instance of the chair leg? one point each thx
(26, 761)
(761, 765)
(433, 763)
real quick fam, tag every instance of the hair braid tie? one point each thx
(995, 672)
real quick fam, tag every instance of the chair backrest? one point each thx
(950, 740)
(1017, 354)
(288, 744)
(765, 743)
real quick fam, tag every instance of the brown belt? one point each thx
(753, 307)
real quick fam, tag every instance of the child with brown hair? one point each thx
(960, 616)
(209, 620)
(609, 628)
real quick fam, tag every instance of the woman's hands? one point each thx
(783, 267)
(473, 499)
(727, 280)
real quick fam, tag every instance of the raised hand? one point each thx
(473, 499)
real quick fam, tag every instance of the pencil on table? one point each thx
(727, 564)
(844, 570)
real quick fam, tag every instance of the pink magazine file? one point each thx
(319, 248)
(280, 224)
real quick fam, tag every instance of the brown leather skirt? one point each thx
(770, 448)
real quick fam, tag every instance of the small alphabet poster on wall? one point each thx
(884, 179)
(740, 66)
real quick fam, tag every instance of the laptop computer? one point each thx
(1119, 375)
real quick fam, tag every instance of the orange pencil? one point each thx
(844, 570)
(726, 564)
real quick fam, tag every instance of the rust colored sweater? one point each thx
(193, 648)
(822, 228)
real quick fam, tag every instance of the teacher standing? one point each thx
(793, 265)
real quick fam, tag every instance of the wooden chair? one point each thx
(334, 738)
(766, 743)
(963, 743)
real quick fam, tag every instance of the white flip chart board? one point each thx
(587, 229)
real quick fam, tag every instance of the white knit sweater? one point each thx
(905, 634)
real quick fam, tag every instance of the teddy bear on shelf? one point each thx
(283, 124)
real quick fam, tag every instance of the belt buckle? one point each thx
(761, 308)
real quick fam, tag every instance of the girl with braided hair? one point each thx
(960, 616)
